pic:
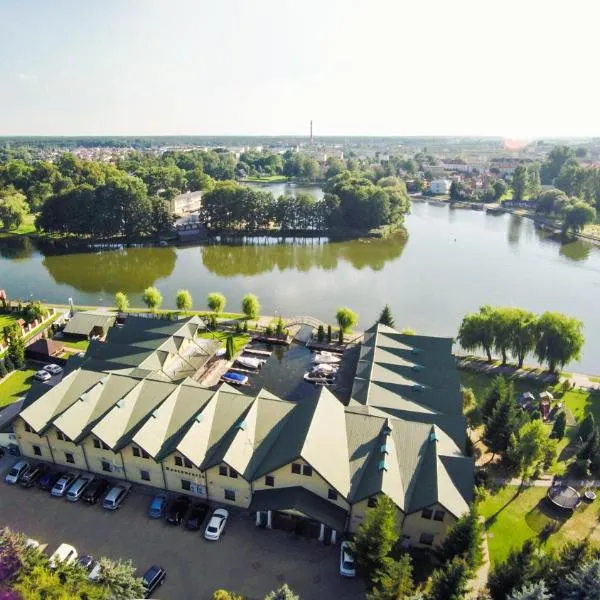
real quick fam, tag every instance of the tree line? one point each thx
(553, 338)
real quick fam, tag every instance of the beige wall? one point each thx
(95, 456)
(358, 511)
(314, 483)
(134, 465)
(414, 525)
(217, 484)
(27, 440)
(174, 474)
(60, 447)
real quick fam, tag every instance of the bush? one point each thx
(251, 306)
(329, 334)
(8, 363)
(245, 328)
(321, 333)
(268, 331)
(346, 318)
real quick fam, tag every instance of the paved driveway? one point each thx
(248, 560)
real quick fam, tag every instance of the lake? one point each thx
(449, 262)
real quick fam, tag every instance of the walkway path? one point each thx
(479, 582)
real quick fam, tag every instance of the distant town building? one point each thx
(186, 203)
(440, 186)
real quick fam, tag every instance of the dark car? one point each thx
(48, 479)
(33, 475)
(196, 516)
(177, 510)
(87, 561)
(95, 491)
(152, 578)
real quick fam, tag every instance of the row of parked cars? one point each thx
(72, 486)
(181, 510)
(47, 372)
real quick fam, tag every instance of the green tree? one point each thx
(16, 351)
(560, 425)
(375, 537)
(3, 371)
(321, 333)
(216, 302)
(555, 161)
(225, 595)
(13, 208)
(587, 427)
(499, 186)
(535, 449)
(522, 333)
(385, 318)
(578, 215)
(121, 301)
(394, 581)
(496, 391)
(464, 540)
(535, 591)
(450, 582)
(230, 348)
(152, 298)
(533, 180)
(251, 306)
(329, 334)
(346, 318)
(560, 339)
(503, 422)
(520, 181)
(283, 593)
(118, 578)
(8, 363)
(583, 583)
(183, 300)
(502, 326)
(477, 331)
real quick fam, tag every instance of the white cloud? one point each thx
(27, 77)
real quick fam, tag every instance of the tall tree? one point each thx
(13, 208)
(230, 348)
(346, 318)
(183, 300)
(535, 591)
(477, 331)
(251, 306)
(464, 540)
(534, 448)
(560, 339)
(375, 536)
(555, 161)
(152, 298)
(385, 318)
(587, 427)
(583, 583)
(578, 215)
(450, 582)
(571, 556)
(121, 302)
(503, 422)
(533, 180)
(502, 326)
(522, 334)
(394, 581)
(496, 391)
(520, 181)
(216, 302)
(560, 425)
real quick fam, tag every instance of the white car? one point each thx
(52, 369)
(216, 525)
(64, 553)
(347, 564)
(42, 375)
(17, 471)
(62, 485)
(31, 543)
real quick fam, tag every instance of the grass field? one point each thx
(6, 320)
(512, 518)
(581, 403)
(15, 385)
(480, 382)
(239, 340)
(26, 228)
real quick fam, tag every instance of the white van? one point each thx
(76, 490)
(65, 553)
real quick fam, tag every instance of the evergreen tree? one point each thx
(283, 593)
(560, 425)
(329, 334)
(571, 556)
(119, 579)
(321, 333)
(535, 591)
(520, 568)
(591, 447)
(450, 582)
(503, 422)
(493, 394)
(464, 540)
(587, 427)
(394, 581)
(16, 351)
(385, 318)
(583, 583)
(375, 537)
(230, 348)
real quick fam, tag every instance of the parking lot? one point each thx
(247, 560)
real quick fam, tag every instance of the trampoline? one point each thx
(564, 496)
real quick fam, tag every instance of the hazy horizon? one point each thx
(383, 68)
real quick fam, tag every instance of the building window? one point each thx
(69, 458)
(230, 495)
(307, 470)
(186, 485)
(136, 451)
(188, 464)
(270, 480)
(145, 454)
(223, 470)
(105, 446)
(296, 468)
(178, 461)
(61, 436)
(106, 466)
(145, 475)
(372, 502)
(426, 538)
(438, 515)
(28, 428)
(37, 450)
(97, 443)
(332, 494)
(232, 473)
(426, 513)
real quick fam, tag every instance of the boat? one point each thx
(250, 363)
(327, 358)
(234, 378)
(323, 374)
(319, 380)
(324, 369)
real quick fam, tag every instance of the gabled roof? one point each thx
(83, 322)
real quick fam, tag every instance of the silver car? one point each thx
(62, 485)
(116, 495)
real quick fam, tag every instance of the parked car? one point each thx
(116, 495)
(33, 475)
(152, 578)
(52, 369)
(31, 543)
(76, 490)
(158, 506)
(60, 488)
(86, 561)
(347, 564)
(95, 491)
(42, 375)
(48, 479)
(216, 525)
(17, 472)
(196, 516)
(64, 553)
(177, 510)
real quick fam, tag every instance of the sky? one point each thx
(512, 68)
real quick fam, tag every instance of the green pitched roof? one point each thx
(82, 323)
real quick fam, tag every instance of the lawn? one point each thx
(580, 403)
(480, 382)
(15, 385)
(26, 228)
(6, 320)
(81, 345)
(511, 519)
(239, 339)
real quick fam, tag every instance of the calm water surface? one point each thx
(450, 262)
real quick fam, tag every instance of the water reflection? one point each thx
(577, 250)
(130, 270)
(253, 258)
(16, 248)
(515, 229)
